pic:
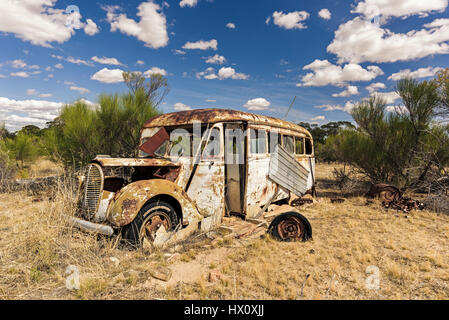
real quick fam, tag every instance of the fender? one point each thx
(127, 203)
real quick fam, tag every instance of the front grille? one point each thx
(94, 188)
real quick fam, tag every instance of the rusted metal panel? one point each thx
(126, 204)
(286, 171)
(219, 115)
(133, 162)
(153, 143)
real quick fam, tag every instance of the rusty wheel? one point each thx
(152, 224)
(389, 194)
(151, 217)
(291, 226)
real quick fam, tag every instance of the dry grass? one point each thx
(411, 253)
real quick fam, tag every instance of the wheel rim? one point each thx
(152, 224)
(291, 228)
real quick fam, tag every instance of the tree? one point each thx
(401, 147)
(22, 148)
(156, 88)
(81, 131)
(442, 81)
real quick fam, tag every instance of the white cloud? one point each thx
(31, 92)
(151, 29)
(155, 70)
(79, 89)
(349, 105)
(397, 109)
(201, 45)
(59, 66)
(91, 28)
(36, 112)
(359, 40)
(20, 74)
(399, 8)
(36, 21)
(223, 73)
(230, 25)
(106, 75)
(325, 73)
(140, 62)
(104, 60)
(257, 104)
(18, 64)
(181, 107)
(211, 100)
(325, 14)
(73, 60)
(188, 3)
(291, 20)
(216, 59)
(319, 118)
(420, 73)
(389, 97)
(375, 86)
(45, 95)
(180, 52)
(350, 91)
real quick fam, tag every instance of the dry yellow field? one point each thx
(353, 243)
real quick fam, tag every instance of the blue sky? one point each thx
(246, 55)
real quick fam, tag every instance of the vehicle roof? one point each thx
(219, 115)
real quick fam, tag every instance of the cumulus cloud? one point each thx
(399, 8)
(104, 60)
(325, 73)
(216, 59)
(350, 91)
(106, 75)
(201, 45)
(73, 60)
(155, 70)
(140, 62)
(91, 28)
(389, 97)
(349, 105)
(325, 14)
(257, 104)
(230, 25)
(318, 118)
(31, 92)
(291, 20)
(188, 3)
(18, 113)
(59, 66)
(181, 107)
(358, 40)
(79, 89)
(375, 86)
(21, 74)
(151, 29)
(18, 64)
(419, 73)
(223, 73)
(36, 21)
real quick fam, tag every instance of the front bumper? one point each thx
(91, 227)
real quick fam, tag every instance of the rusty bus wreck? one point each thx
(194, 168)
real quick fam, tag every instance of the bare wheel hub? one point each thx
(152, 224)
(291, 229)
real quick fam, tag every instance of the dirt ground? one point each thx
(358, 251)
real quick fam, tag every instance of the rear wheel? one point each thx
(291, 226)
(150, 218)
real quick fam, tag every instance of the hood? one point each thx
(133, 162)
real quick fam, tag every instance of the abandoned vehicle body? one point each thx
(193, 168)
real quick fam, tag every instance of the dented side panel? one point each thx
(127, 203)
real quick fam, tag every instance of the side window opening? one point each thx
(289, 144)
(212, 148)
(299, 146)
(274, 139)
(309, 148)
(258, 141)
